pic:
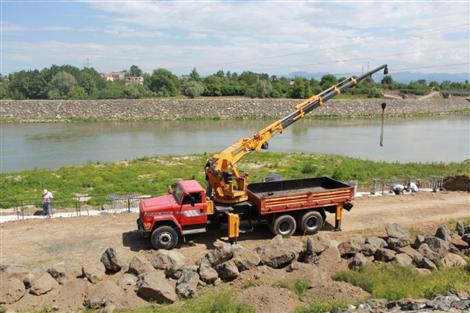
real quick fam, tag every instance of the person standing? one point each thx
(47, 202)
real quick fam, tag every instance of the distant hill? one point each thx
(402, 77)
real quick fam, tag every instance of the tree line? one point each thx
(69, 82)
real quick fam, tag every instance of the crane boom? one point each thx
(225, 181)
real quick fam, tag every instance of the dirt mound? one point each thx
(336, 290)
(457, 183)
(270, 299)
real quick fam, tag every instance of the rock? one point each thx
(453, 260)
(187, 284)
(168, 260)
(419, 241)
(443, 233)
(227, 270)
(426, 252)
(11, 290)
(127, 281)
(422, 271)
(403, 259)
(397, 231)
(349, 248)
(397, 243)
(109, 308)
(102, 295)
(58, 272)
(330, 261)
(427, 264)
(139, 265)
(207, 273)
(384, 255)
(358, 261)
(245, 259)
(93, 273)
(457, 242)
(466, 238)
(154, 287)
(437, 245)
(111, 261)
(43, 284)
(14, 271)
(319, 243)
(279, 253)
(459, 228)
(221, 254)
(412, 253)
(368, 249)
(376, 242)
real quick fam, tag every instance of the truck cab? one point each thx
(165, 219)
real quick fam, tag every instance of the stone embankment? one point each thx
(164, 276)
(223, 108)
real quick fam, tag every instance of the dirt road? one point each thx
(40, 243)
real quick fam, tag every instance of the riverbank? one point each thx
(216, 108)
(152, 175)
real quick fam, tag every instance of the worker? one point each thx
(47, 202)
(398, 189)
(413, 187)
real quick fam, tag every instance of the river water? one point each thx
(51, 145)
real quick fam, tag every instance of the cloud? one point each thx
(275, 37)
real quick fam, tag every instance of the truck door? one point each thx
(193, 210)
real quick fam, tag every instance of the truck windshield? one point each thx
(178, 193)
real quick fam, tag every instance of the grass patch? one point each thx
(152, 175)
(322, 306)
(393, 282)
(298, 286)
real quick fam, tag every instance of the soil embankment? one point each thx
(223, 108)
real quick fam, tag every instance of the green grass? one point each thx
(298, 286)
(393, 282)
(321, 306)
(152, 175)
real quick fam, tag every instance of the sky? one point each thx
(275, 37)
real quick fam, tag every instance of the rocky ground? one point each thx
(223, 108)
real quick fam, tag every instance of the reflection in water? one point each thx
(50, 145)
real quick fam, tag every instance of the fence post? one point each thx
(128, 205)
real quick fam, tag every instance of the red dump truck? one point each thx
(286, 206)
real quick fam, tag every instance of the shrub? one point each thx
(299, 287)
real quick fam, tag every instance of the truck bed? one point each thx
(295, 194)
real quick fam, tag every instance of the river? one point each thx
(51, 145)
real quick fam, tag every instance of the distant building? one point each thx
(134, 80)
(184, 77)
(113, 76)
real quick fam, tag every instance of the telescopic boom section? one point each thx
(228, 185)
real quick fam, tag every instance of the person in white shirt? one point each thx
(398, 189)
(47, 202)
(413, 187)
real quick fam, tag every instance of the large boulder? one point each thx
(453, 260)
(222, 253)
(111, 260)
(398, 231)
(102, 295)
(377, 242)
(349, 248)
(403, 259)
(153, 286)
(227, 271)
(11, 290)
(245, 259)
(93, 272)
(460, 228)
(412, 253)
(437, 245)
(138, 265)
(58, 272)
(457, 242)
(128, 281)
(279, 252)
(384, 255)
(330, 261)
(187, 284)
(397, 243)
(43, 284)
(207, 273)
(466, 238)
(443, 233)
(319, 243)
(428, 253)
(168, 260)
(358, 261)
(427, 264)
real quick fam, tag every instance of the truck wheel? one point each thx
(164, 237)
(284, 225)
(311, 222)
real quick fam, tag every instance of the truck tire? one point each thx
(164, 237)
(284, 225)
(311, 222)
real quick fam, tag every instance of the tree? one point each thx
(27, 85)
(263, 89)
(299, 89)
(134, 70)
(327, 81)
(193, 89)
(213, 86)
(78, 92)
(164, 83)
(63, 83)
(194, 75)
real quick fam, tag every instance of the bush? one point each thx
(299, 287)
(193, 89)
